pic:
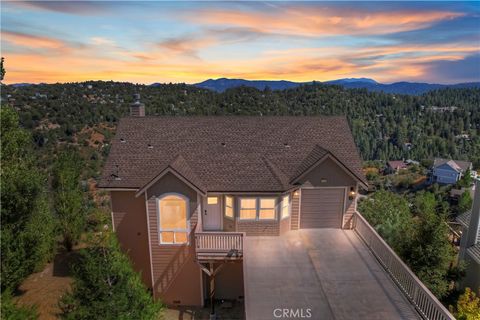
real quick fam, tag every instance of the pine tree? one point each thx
(105, 285)
(69, 202)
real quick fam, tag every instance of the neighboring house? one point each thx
(254, 209)
(470, 243)
(449, 171)
(395, 166)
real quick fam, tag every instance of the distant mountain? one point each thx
(23, 84)
(412, 88)
(352, 80)
(222, 84)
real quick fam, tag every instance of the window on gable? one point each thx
(248, 208)
(229, 206)
(173, 220)
(267, 209)
(285, 207)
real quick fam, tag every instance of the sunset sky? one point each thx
(148, 42)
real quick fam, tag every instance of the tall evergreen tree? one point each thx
(27, 228)
(68, 198)
(431, 254)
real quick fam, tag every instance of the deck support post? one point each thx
(211, 271)
(212, 291)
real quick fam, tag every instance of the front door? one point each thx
(212, 215)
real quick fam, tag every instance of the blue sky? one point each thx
(189, 42)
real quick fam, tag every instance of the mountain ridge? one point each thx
(402, 87)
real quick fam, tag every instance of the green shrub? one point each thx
(106, 287)
(11, 311)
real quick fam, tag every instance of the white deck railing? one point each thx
(219, 243)
(424, 301)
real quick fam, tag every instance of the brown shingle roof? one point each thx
(229, 153)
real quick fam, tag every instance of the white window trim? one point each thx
(240, 208)
(257, 209)
(289, 205)
(187, 230)
(233, 208)
(274, 208)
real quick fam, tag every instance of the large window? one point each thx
(248, 208)
(229, 207)
(173, 219)
(257, 209)
(285, 207)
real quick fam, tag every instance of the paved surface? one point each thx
(320, 274)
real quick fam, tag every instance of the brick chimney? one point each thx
(137, 109)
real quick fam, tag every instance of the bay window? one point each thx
(257, 209)
(173, 221)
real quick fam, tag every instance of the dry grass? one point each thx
(45, 288)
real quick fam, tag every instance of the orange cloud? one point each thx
(31, 41)
(314, 21)
(164, 63)
(187, 45)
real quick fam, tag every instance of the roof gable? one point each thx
(180, 168)
(456, 165)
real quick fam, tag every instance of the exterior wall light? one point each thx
(351, 193)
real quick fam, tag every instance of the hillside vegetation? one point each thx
(385, 126)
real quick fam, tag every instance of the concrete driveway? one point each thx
(318, 274)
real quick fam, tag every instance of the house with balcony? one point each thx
(260, 210)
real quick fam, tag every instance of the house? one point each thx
(253, 209)
(395, 166)
(470, 243)
(449, 171)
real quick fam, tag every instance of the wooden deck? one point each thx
(218, 246)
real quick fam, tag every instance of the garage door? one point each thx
(322, 208)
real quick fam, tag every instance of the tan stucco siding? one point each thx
(177, 277)
(130, 224)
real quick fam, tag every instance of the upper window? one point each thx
(212, 200)
(267, 209)
(285, 207)
(257, 208)
(173, 219)
(229, 206)
(248, 208)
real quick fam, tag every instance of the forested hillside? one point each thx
(385, 126)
